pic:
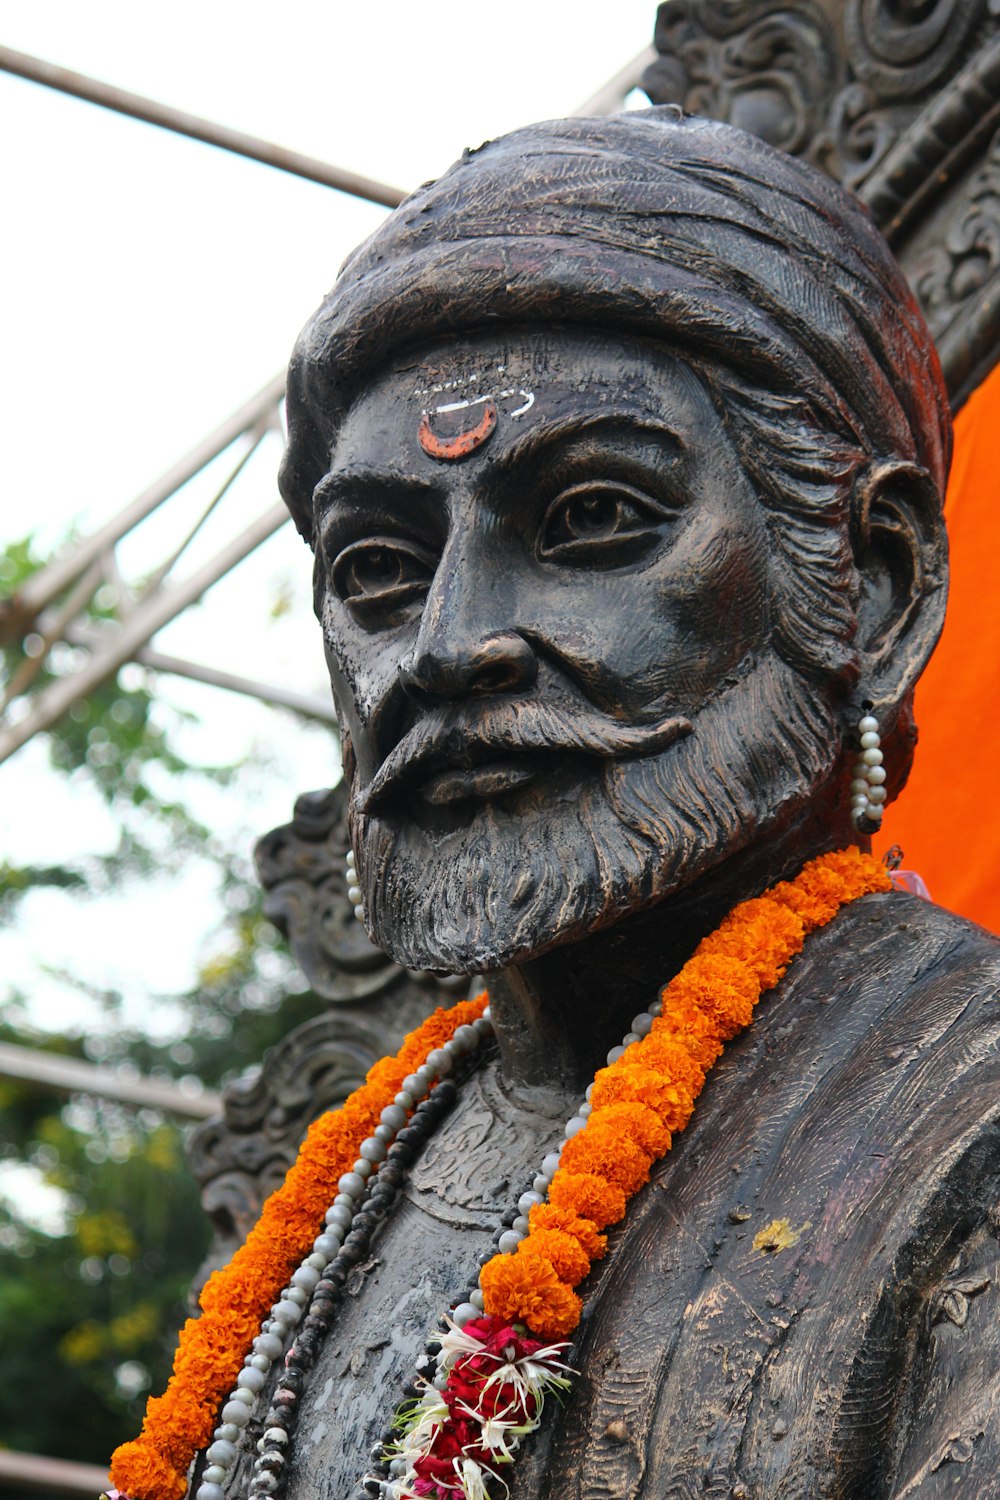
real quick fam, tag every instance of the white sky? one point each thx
(150, 286)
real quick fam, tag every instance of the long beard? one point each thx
(506, 889)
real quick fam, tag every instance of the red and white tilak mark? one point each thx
(449, 431)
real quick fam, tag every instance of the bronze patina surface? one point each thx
(621, 451)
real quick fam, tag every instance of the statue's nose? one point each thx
(501, 663)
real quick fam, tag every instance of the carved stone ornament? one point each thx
(897, 100)
(243, 1156)
(301, 866)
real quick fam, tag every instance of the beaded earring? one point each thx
(868, 783)
(354, 895)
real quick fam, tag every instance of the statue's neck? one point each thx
(557, 1016)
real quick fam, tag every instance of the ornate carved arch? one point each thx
(897, 99)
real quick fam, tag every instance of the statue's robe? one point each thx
(803, 1300)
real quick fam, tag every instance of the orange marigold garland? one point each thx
(211, 1348)
(502, 1357)
(710, 1001)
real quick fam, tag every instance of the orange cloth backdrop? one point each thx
(947, 821)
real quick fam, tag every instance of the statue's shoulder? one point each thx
(946, 1140)
(910, 983)
(919, 955)
(921, 915)
(774, 1308)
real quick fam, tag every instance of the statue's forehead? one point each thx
(460, 361)
(454, 396)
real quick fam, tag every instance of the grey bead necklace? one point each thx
(365, 1196)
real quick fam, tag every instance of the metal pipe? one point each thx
(51, 631)
(612, 96)
(43, 587)
(74, 1076)
(148, 617)
(94, 91)
(257, 436)
(301, 703)
(56, 1476)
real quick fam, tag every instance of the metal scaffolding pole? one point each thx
(143, 622)
(613, 94)
(54, 603)
(38, 592)
(72, 1075)
(54, 1476)
(308, 706)
(37, 70)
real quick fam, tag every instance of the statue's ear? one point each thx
(901, 552)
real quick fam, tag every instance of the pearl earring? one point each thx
(354, 895)
(868, 783)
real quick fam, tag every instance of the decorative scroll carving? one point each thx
(836, 83)
(897, 99)
(951, 129)
(767, 67)
(968, 255)
(241, 1157)
(301, 867)
(903, 48)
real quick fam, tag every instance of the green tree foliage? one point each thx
(91, 1296)
(101, 1230)
(121, 741)
(94, 1284)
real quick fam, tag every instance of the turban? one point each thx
(654, 224)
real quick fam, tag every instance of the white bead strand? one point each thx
(354, 895)
(278, 1328)
(868, 778)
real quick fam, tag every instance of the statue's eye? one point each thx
(381, 571)
(591, 516)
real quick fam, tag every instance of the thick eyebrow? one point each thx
(358, 481)
(557, 430)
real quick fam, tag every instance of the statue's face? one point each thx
(548, 620)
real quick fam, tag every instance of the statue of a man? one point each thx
(621, 449)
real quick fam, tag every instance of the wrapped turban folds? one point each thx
(653, 224)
